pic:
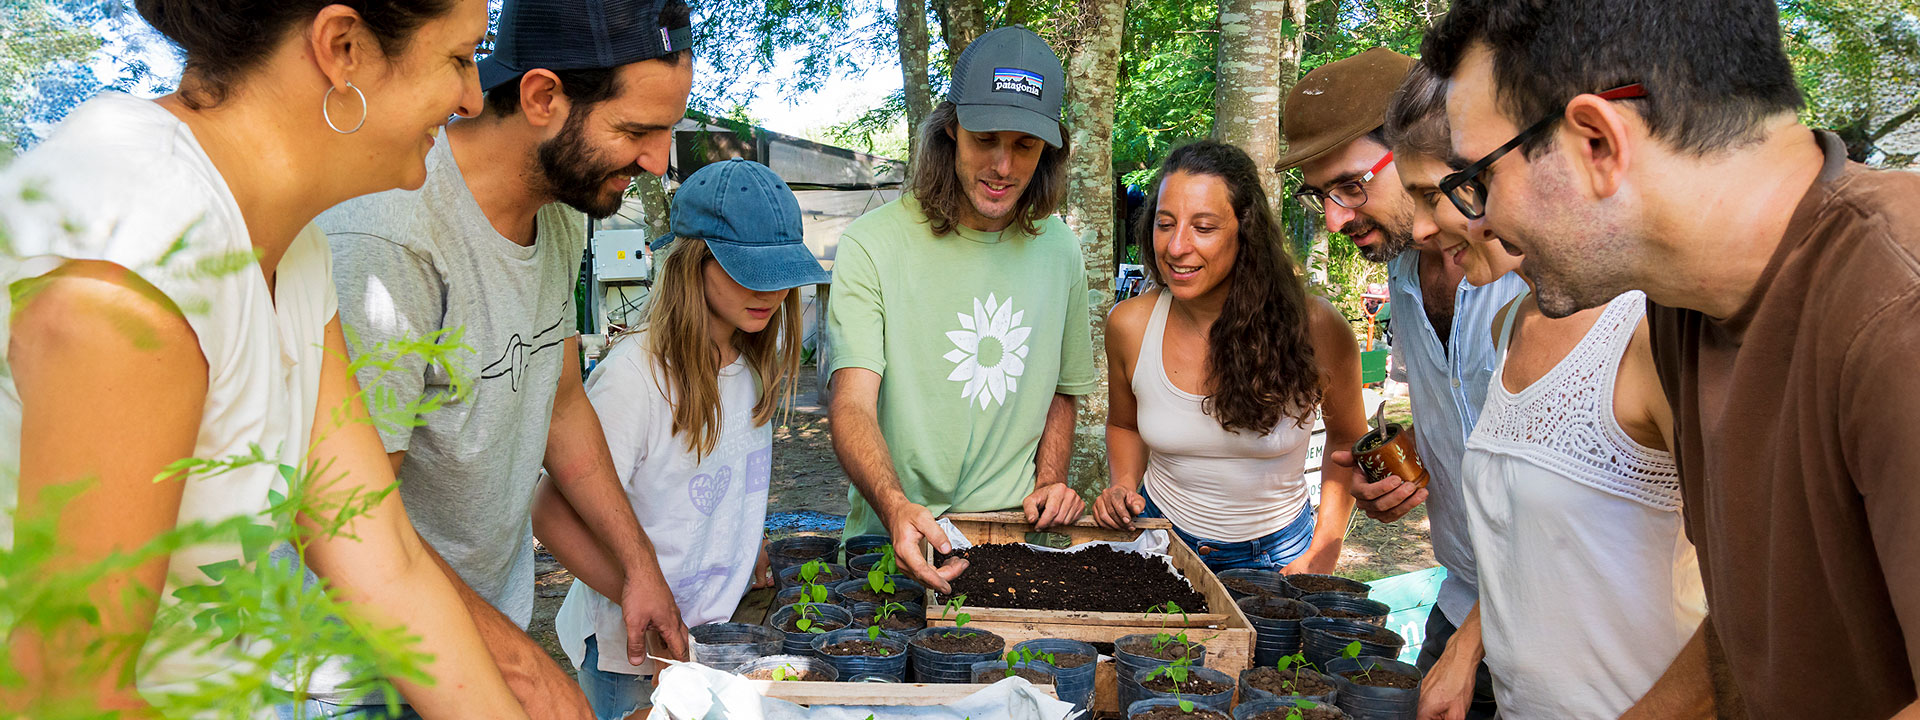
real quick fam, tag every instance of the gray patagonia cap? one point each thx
(1009, 79)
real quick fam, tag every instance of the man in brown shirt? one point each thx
(1628, 145)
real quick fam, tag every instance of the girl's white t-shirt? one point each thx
(704, 516)
(124, 181)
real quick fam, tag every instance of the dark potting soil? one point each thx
(1373, 439)
(1377, 635)
(802, 552)
(1175, 713)
(896, 621)
(1347, 614)
(1246, 586)
(1096, 579)
(865, 648)
(1168, 651)
(1311, 585)
(1313, 713)
(826, 577)
(1275, 682)
(993, 676)
(900, 595)
(1069, 661)
(1193, 686)
(821, 624)
(977, 642)
(1278, 611)
(804, 675)
(1382, 678)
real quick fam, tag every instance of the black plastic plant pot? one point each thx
(865, 545)
(791, 595)
(934, 666)
(1275, 636)
(1072, 684)
(1248, 691)
(725, 646)
(1323, 639)
(1140, 707)
(830, 575)
(1251, 709)
(1309, 584)
(801, 643)
(911, 611)
(860, 564)
(1371, 612)
(988, 672)
(1367, 702)
(1131, 655)
(1222, 700)
(797, 550)
(1272, 582)
(893, 664)
(905, 590)
(793, 664)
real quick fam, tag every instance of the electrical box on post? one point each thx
(620, 256)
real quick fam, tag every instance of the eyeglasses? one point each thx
(1350, 194)
(1466, 190)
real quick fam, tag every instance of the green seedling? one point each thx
(785, 672)
(1352, 652)
(806, 623)
(1293, 713)
(1294, 663)
(1162, 639)
(953, 605)
(811, 570)
(888, 563)
(1177, 671)
(1026, 655)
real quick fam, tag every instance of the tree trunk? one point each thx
(1255, 65)
(1093, 61)
(911, 17)
(960, 22)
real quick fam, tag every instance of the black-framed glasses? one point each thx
(1350, 194)
(1466, 190)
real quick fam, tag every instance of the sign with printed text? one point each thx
(1015, 80)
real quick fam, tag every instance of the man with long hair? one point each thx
(959, 315)
(1333, 124)
(1657, 147)
(581, 96)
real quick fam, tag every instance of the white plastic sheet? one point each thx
(690, 691)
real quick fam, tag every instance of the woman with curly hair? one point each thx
(1216, 375)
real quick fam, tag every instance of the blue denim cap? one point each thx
(577, 35)
(750, 221)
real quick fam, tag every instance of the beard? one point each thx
(1391, 243)
(1577, 257)
(575, 173)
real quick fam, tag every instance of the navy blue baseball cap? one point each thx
(578, 35)
(750, 221)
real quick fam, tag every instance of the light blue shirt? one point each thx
(1448, 384)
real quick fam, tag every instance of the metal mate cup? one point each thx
(1388, 451)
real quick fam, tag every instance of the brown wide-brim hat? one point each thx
(1339, 101)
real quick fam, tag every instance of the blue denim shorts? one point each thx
(1270, 552)
(613, 695)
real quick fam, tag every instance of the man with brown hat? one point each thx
(1332, 124)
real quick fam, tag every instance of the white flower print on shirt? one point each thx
(991, 351)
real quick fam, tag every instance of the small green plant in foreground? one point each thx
(1026, 655)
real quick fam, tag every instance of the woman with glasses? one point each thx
(1588, 586)
(1216, 376)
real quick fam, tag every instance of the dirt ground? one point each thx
(806, 476)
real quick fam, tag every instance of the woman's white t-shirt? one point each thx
(704, 516)
(124, 181)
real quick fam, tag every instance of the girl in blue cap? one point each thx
(687, 403)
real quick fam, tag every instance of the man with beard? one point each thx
(1657, 146)
(1333, 125)
(959, 315)
(581, 95)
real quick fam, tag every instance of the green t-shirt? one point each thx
(972, 334)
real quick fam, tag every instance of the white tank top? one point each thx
(1219, 485)
(1588, 586)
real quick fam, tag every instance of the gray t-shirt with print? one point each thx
(409, 263)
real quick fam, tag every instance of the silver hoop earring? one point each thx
(329, 117)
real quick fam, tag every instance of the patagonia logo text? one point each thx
(1015, 80)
